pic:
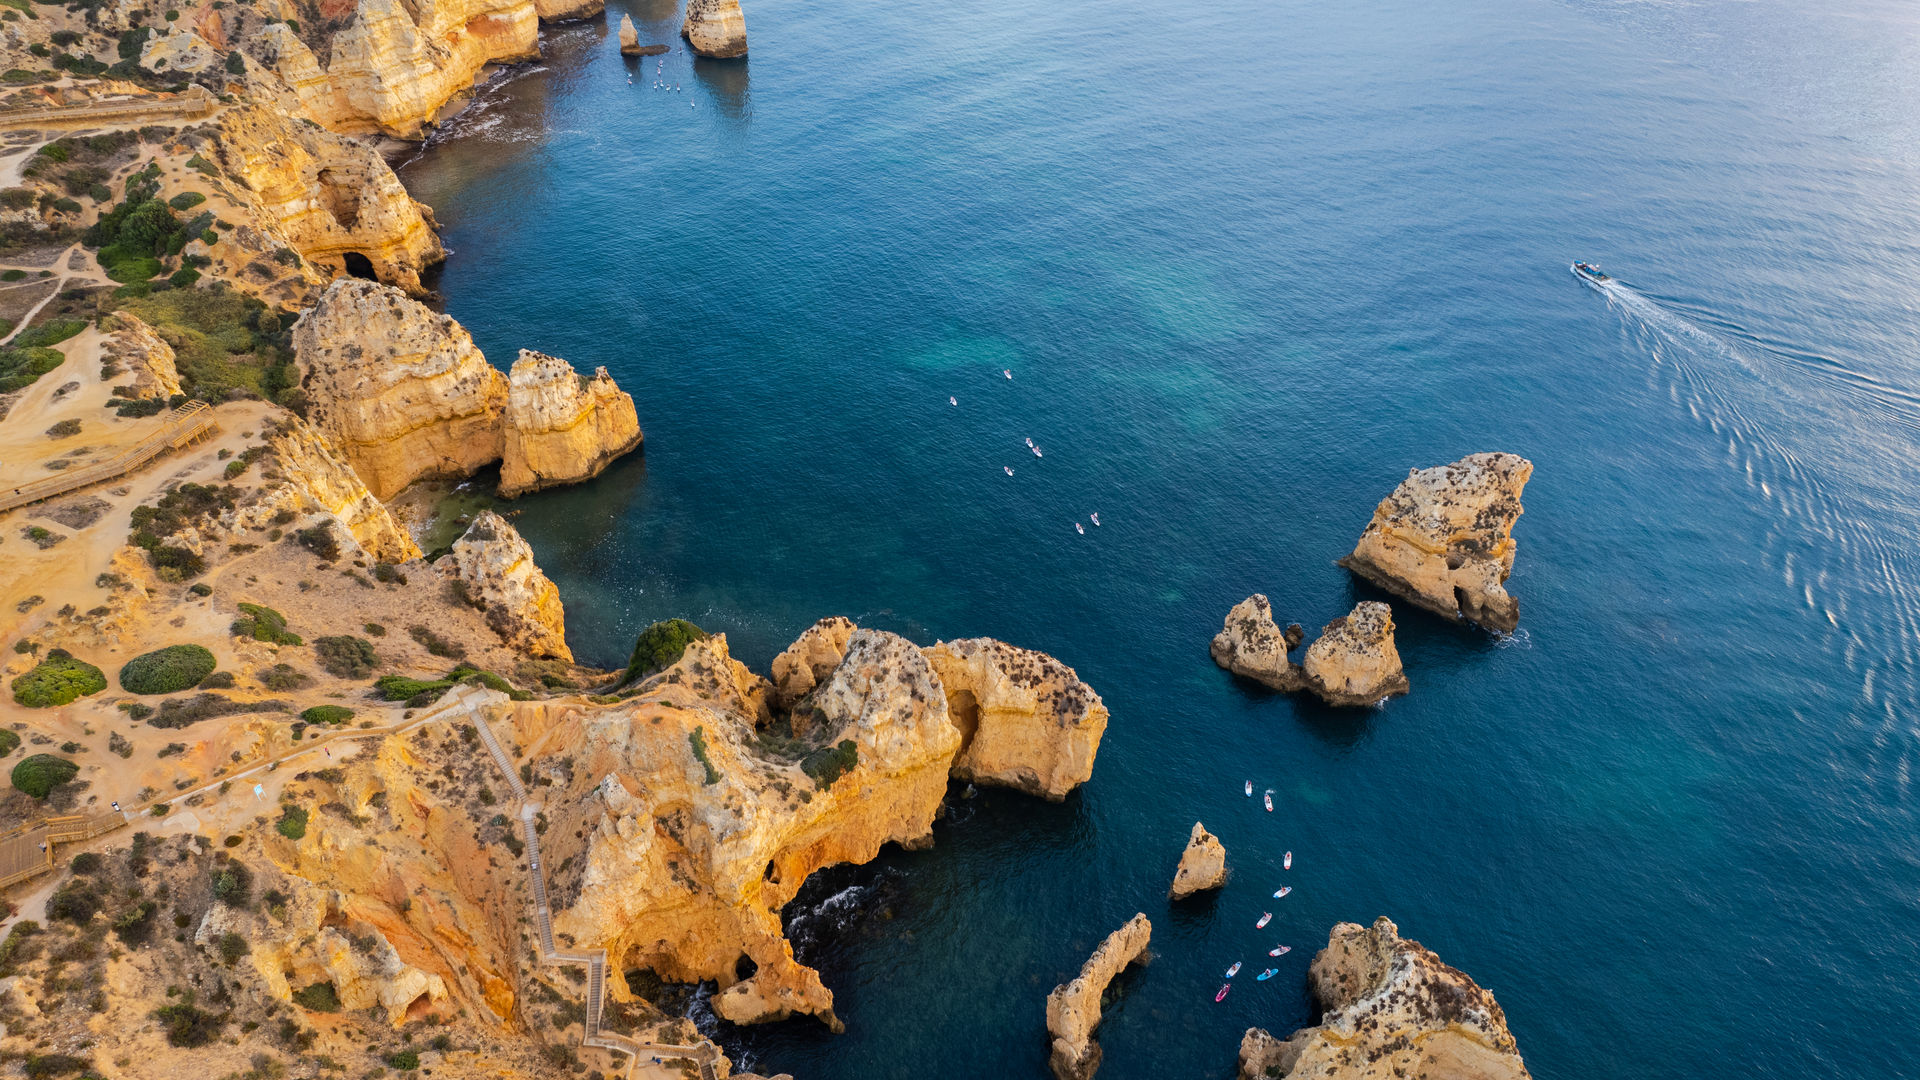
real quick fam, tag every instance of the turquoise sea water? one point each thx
(1248, 263)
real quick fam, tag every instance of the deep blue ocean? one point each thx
(1248, 263)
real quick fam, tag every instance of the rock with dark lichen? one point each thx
(1355, 662)
(1203, 865)
(1444, 538)
(1073, 1009)
(1251, 644)
(1391, 1009)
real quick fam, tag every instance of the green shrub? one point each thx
(698, 739)
(219, 680)
(87, 862)
(40, 774)
(346, 656)
(232, 882)
(236, 63)
(39, 1066)
(57, 680)
(435, 644)
(262, 623)
(13, 275)
(404, 1060)
(322, 714)
(659, 647)
(186, 200)
(233, 947)
(183, 277)
(201, 590)
(9, 741)
(415, 692)
(75, 902)
(135, 925)
(830, 763)
(320, 540)
(49, 334)
(167, 671)
(292, 823)
(320, 997)
(188, 1025)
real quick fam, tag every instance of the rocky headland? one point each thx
(1354, 662)
(1444, 539)
(715, 28)
(1390, 1009)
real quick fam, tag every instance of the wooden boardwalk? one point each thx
(188, 424)
(196, 102)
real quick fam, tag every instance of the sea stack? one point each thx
(715, 28)
(1073, 1009)
(1390, 1009)
(1252, 645)
(561, 427)
(1355, 661)
(1444, 538)
(1203, 865)
(629, 37)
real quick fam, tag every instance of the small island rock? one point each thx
(1444, 538)
(1203, 865)
(629, 37)
(1252, 645)
(1026, 720)
(560, 427)
(1073, 1009)
(1390, 1009)
(715, 28)
(1355, 662)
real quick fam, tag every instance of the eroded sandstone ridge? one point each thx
(497, 574)
(403, 391)
(1444, 538)
(1073, 1009)
(1391, 1009)
(326, 195)
(406, 394)
(1203, 865)
(1252, 645)
(1355, 662)
(133, 347)
(395, 65)
(1026, 720)
(561, 427)
(319, 479)
(568, 10)
(715, 28)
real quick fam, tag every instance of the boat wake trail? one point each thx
(1810, 441)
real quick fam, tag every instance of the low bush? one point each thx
(233, 947)
(262, 623)
(186, 200)
(698, 739)
(415, 692)
(9, 741)
(435, 644)
(75, 902)
(346, 656)
(188, 1025)
(87, 862)
(219, 680)
(181, 712)
(57, 680)
(167, 671)
(320, 997)
(659, 647)
(39, 1066)
(232, 882)
(281, 677)
(830, 763)
(135, 925)
(64, 429)
(320, 540)
(292, 823)
(327, 714)
(41, 773)
(404, 1060)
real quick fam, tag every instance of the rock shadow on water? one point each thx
(727, 84)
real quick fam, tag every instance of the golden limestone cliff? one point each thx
(1444, 538)
(1391, 1009)
(405, 394)
(686, 816)
(1073, 1009)
(1252, 645)
(568, 10)
(395, 65)
(402, 391)
(327, 196)
(715, 28)
(497, 574)
(132, 347)
(1026, 720)
(319, 479)
(561, 428)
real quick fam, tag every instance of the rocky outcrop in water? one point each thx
(1026, 720)
(1355, 662)
(561, 428)
(1203, 865)
(1391, 1010)
(1444, 538)
(715, 28)
(1251, 644)
(325, 196)
(402, 391)
(143, 357)
(1073, 1009)
(629, 37)
(497, 574)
